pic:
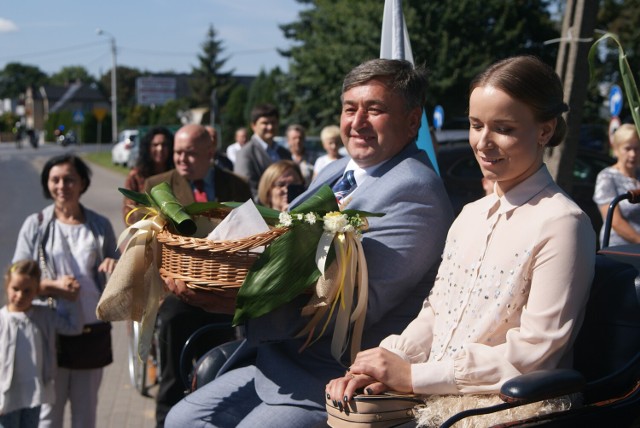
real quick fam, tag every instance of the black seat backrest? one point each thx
(610, 335)
(209, 364)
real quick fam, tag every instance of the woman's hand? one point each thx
(386, 367)
(66, 287)
(376, 370)
(342, 389)
(107, 265)
(211, 301)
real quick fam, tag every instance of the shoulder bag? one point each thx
(92, 348)
(390, 409)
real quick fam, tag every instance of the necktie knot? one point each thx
(345, 185)
(199, 193)
(273, 153)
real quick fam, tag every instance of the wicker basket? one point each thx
(211, 265)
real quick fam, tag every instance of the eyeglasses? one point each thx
(286, 183)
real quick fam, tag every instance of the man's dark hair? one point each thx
(264, 110)
(408, 81)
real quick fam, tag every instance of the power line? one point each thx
(50, 52)
(191, 54)
(70, 49)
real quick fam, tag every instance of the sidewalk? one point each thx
(119, 404)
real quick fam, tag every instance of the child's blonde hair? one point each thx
(27, 268)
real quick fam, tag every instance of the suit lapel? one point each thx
(332, 172)
(329, 175)
(182, 189)
(261, 156)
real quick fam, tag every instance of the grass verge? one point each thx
(104, 159)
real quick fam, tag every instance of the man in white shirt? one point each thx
(241, 137)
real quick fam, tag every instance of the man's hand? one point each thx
(210, 301)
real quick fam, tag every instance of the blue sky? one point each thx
(153, 35)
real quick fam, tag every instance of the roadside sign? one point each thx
(99, 113)
(438, 117)
(78, 116)
(615, 100)
(614, 124)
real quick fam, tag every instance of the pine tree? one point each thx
(233, 116)
(209, 75)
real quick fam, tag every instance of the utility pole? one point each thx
(572, 66)
(114, 90)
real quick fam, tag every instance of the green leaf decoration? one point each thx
(286, 269)
(139, 198)
(268, 214)
(198, 208)
(161, 198)
(628, 81)
(321, 202)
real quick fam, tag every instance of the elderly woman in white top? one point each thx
(618, 179)
(517, 266)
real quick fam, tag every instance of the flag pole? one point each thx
(395, 44)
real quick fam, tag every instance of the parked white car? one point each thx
(121, 151)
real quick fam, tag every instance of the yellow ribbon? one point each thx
(338, 285)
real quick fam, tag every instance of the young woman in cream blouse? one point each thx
(517, 266)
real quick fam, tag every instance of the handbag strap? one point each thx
(43, 234)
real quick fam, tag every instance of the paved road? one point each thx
(120, 405)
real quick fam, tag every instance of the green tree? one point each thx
(455, 39)
(168, 113)
(70, 74)
(330, 38)
(266, 88)
(125, 84)
(458, 39)
(232, 114)
(8, 121)
(208, 75)
(138, 115)
(15, 78)
(126, 91)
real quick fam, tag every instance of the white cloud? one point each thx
(7, 26)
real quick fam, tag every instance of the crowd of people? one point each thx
(455, 307)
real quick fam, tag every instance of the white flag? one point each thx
(395, 44)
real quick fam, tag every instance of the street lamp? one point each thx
(114, 96)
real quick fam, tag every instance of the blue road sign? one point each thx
(78, 116)
(615, 100)
(438, 117)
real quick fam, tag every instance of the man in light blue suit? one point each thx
(268, 382)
